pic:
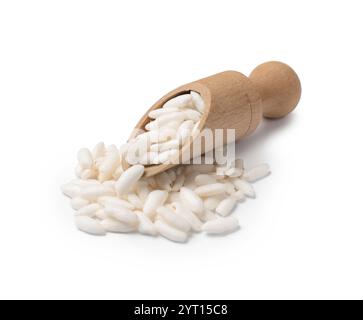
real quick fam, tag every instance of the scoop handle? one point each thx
(279, 88)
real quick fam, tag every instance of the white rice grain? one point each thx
(122, 214)
(192, 219)
(244, 186)
(89, 225)
(113, 225)
(85, 158)
(221, 225)
(93, 192)
(78, 203)
(115, 202)
(181, 101)
(88, 210)
(257, 173)
(197, 101)
(191, 200)
(145, 225)
(153, 201)
(170, 233)
(174, 220)
(226, 207)
(129, 178)
(209, 190)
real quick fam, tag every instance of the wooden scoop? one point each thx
(234, 101)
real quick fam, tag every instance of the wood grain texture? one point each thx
(234, 101)
(279, 87)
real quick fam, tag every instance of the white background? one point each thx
(73, 73)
